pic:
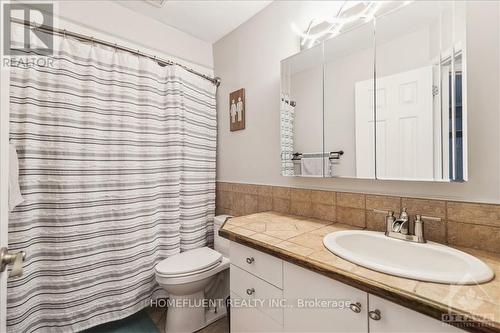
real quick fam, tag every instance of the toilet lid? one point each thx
(189, 261)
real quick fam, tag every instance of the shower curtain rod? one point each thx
(63, 32)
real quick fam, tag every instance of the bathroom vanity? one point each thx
(283, 279)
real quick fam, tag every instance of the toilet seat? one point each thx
(192, 277)
(189, 263)
(189, 273)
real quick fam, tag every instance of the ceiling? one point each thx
(205, 19)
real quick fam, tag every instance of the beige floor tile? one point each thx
(220, 326)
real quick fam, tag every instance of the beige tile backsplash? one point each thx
(355, 216)
(351, 200)
(482, 214)
(323, 197)
(466, 224)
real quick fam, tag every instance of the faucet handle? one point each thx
(386, 212)
(430, 218)
(419, 229)
(389, 219)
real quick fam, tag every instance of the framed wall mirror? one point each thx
(385, 99)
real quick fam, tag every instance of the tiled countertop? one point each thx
(300, 240)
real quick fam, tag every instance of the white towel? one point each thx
(312, 166)
(15, 197)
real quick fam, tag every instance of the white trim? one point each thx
(81, 27)
(4, 172)
(71, 25)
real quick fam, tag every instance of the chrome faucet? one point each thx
(401, 224)
(399, 228)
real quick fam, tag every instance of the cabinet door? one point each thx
(246, 319)
(398, 319)
(266, 295)
(311, 307)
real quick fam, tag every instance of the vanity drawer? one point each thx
(249, 287)
(264, 266)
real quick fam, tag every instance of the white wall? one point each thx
(112, 22)
(307, 91)
(249, 58)
(345, 65)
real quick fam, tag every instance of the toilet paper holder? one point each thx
(9, 258)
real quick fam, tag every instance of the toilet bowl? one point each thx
(185, 276)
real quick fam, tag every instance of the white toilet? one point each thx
(186, 275)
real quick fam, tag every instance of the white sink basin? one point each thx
(425, 262)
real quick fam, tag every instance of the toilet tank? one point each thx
(221, 245)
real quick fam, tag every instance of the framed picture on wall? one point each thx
(237, 110)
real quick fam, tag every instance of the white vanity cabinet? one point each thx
(251, 320)
(396, 318)
(290, 298)
(256, 284)
(316, 303)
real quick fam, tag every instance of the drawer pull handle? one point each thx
(355, 307)
(250, 260)
(375, 315)
(250, 291)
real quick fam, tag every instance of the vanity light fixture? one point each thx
(157, 3)
(350, 14)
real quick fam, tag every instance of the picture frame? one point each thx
(237, 110)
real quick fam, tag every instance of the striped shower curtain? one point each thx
(287, 120)
(117, 169)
